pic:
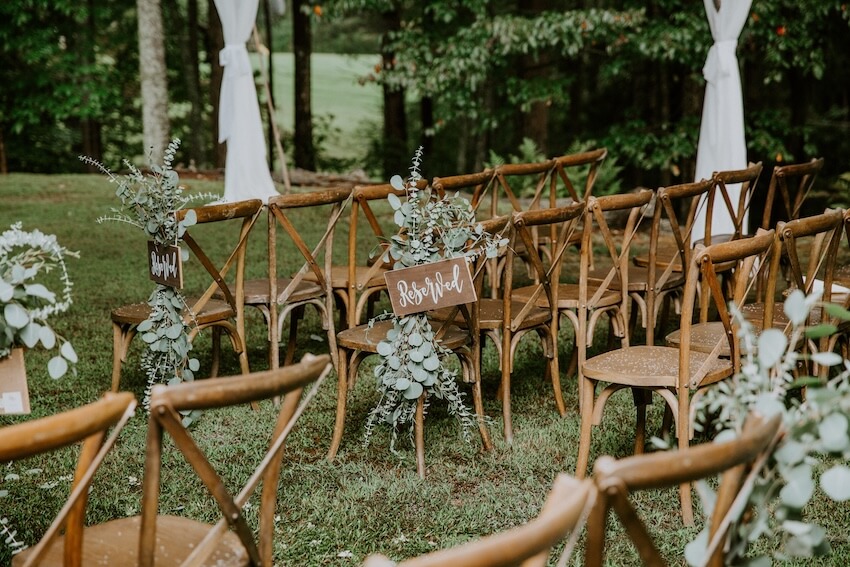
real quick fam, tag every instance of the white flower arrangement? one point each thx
(26, 303)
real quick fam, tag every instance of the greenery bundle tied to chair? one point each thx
(431, 228)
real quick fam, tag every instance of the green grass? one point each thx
(369, 500)
(346, 113)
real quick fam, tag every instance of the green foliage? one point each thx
(412, 360)
(815, 429)
(148, 202)
(25, 256)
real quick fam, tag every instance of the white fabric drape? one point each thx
(246, 173)
(721, 135)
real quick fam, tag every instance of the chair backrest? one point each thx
(564, 165)
(747, 179)
(478, 184)
(789, 186)
(527, 545)
(734, 460)
(546, 273)
(165, 406)
(678, 205)
(596, 222)
(753, 259)
(244, 212)
(88, 425)
(284, 210)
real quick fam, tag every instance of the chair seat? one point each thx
(364, 338)
(491, 314)
(705, 336)
(339, 277)
(664, 254)
(568, 296)
(638, 278)
(117, 543)
(135, 313)
(650, 366)
(754, 313)
(257, 291)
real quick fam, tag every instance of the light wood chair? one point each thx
(789, 187)
(602, 291)
(358, 283)
(87, 425)
(226, 314)
(738, 212)
(676, 374)
(737, 462)
(296, 292)
(527, 545)
(156, 539)
(357, 343)
(656, 278)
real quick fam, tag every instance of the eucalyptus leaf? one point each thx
(190, 218)
(837, 311)
(820, 331)
(695, 550)
(833, 432)
(385, 348)
(795, 307)
(827, 358)
(397, 182)
(16, 316)
(57, 367)
(401, 384)
(836, 483)
(799, 487)
(394, 201)
(30, 333)
(6, 291)
(47, 337)
(415, 339)
(771, 346)
(38, 290)
(414, 391)
(431, 363)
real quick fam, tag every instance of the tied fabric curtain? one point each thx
(246, 173)
(721, 136)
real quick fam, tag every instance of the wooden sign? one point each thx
(14, 394)
(430, 286)
(165, 265)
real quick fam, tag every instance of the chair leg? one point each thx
(641, 400)
(341, 399)
(121, 337)
(216, 351)
(587, 395)
(294, 317)
(506, 386)
(684, 441)
(419, 435)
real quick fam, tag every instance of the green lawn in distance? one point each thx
(355, 107)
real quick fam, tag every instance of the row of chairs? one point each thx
(160, 539)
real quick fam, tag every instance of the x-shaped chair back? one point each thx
(166, 404)
(790, 184)
(738, 462)
(87, 425)
(747, 179)
(283, 211)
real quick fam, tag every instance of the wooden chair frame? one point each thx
(748, 179)
(126, 319)
(291, 299)
(791, 184)
(737, 461)
(87, 424)
(693, 370)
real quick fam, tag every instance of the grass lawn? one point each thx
(369, 500)
(353, 110)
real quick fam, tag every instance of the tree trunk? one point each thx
(90, 127)
(535, 123)
(302, 46)
(396, 153)
(426, 116)
(215, 43)
(186, 29)
(152, 74)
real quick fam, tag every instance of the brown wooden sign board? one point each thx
(14, 394)
(430, 286)
(165, 265)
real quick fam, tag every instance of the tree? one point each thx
(304, 154)
(153, 79)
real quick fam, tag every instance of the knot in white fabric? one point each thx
(234, 59)
(721, 60)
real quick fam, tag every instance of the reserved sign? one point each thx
(165, 265)
(430, 286)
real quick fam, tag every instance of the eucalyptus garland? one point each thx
(148, 202)
(431, 229)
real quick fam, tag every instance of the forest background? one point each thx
(468, 80)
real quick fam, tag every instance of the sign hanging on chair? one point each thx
(430, 286)
(165, 265)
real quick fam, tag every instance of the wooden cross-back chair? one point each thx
(678, 375)
(809, 247)
(656, 277)
(789, 187)
(358, 283)
(87, 425)
(219, 305)
(296, 292)
(737, 462)
(357, 343)
(746, 179)
(602, 291)
(160, 539)
(527, 545)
